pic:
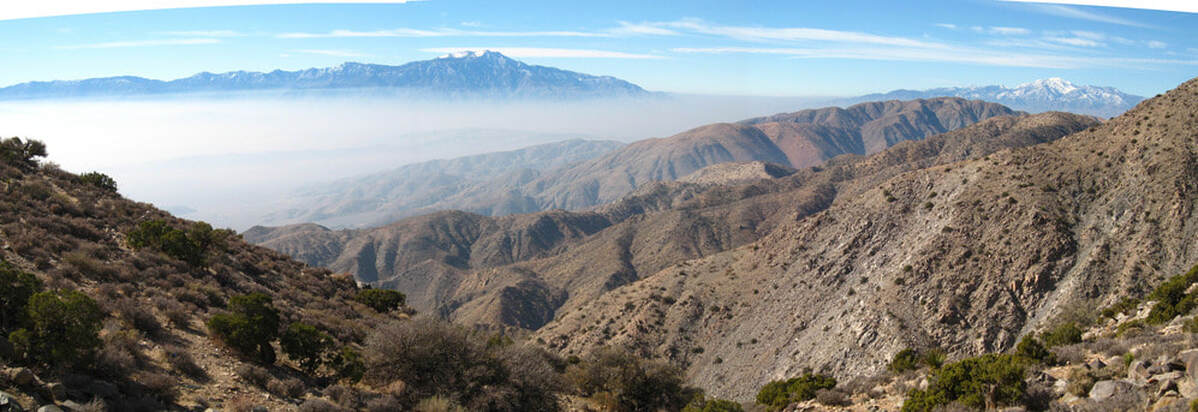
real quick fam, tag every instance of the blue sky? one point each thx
(843, 47)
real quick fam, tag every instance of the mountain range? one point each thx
(1037, 96)
(487, 75)
(964, 240)
(798, 140)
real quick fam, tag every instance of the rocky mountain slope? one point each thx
(424, 187)
(488, 74)
(1036, 96)
(524, 271)
(967, 256)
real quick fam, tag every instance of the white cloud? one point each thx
(946, 26)
(335, 53)
(442, 32)
(1154, 44)
(1188, 6)
(1076, 13)
(203, 33)
(545, 52)
(954, 55)
(1010, 31)
(643, 28)
(766, 34)
(1075, 41)
(45, 8)
(141, 43)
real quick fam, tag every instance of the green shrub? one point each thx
(381, 300)
(988, 380)
(306, 345)
(933, 358)
(64, 327)
(1171, 298)
(99, 180)
(777, 394)
(904, 360)
(1124, 306)
(348, 364)
(250, 326)
(191, 246)
(1066, 333)
(16, 287)
(1030, 348)
(622, 381)
(704, 404)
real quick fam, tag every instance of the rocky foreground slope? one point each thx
(967, 256)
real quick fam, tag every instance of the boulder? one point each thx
(58, 391)
(50, 408)
(8, 403)
(1189, 358)
(1095, 364)
(1108, 388)
(1138, 371)
(1187, 388)
(22, 376)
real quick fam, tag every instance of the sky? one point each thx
(780, 48)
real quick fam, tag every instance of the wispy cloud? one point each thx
(1187, 6)
(441, 32)
(949, 26)
(203, 33)
(776, 34)
(1075, 41)
(141, 43)
(1155, 44)
(954, 55)
(30, 9)
(1076, 13)
(335, 53)
(642, 28)
(546, 52)
(1003, 31)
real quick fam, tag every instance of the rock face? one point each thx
(525, 271)
(488, 75)
(965, 256)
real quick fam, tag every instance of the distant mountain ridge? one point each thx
(1041, 95)
(488, 74)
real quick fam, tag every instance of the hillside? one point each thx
(423, 187)
(524, 270)
(964, 256)
(575, 176)
(487, 75)
(1035, 96)
(110, 304)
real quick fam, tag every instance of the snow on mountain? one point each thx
(1037, 96)
(472, 74)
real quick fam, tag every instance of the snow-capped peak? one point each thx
(1055, 84)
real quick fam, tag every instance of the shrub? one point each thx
(319, 405)
(138, 316)
(381, 300)
(63, 329)
(629, 383)
(1031, 348)
(348, 364)
(385, 403)
(984, 381)
(255, 375)
(16, 287)
(250, 326)
(1066, 333)
(191, 246)
(704, 404)
(831, 397)
(778, 394)
(1171, 298)
(180, 360)
(904, 360)
(305, 345)
(290, 387)
(99, 180)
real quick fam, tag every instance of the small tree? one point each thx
(64, 328)
(348, 364)
(381, 300)
(99, 180)
(21, 153)
(250, 326)
(306, 345)
(16, 287)
(777, 394)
